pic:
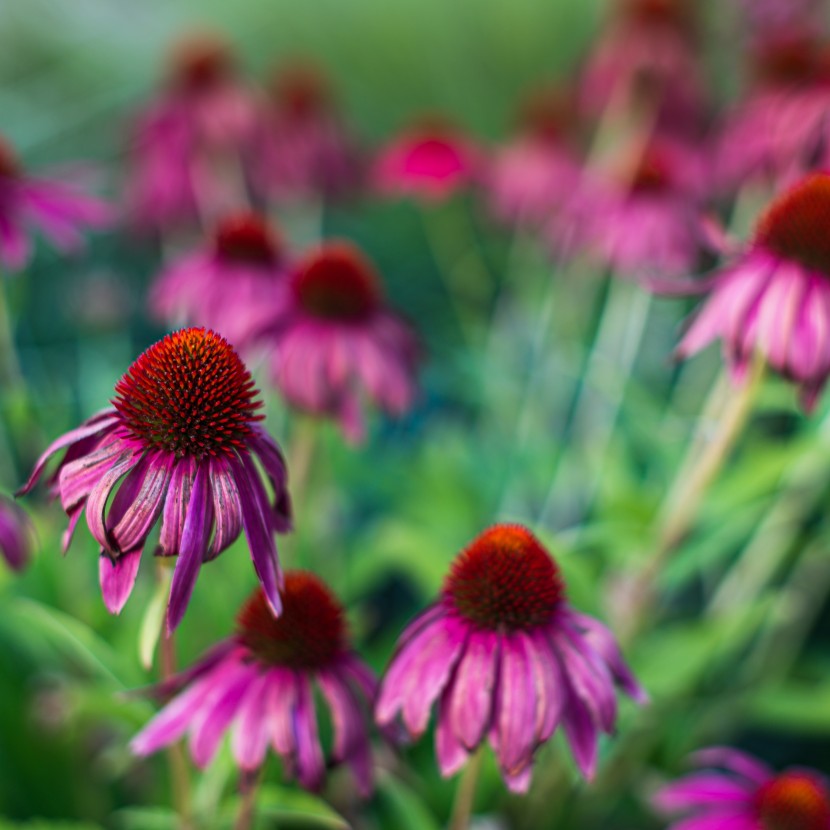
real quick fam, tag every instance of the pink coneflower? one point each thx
(508, 660)
(259, 686)
(15, 535)
(188, 143)
(745, 794)
(767, 16)
(178, 445)
(58, 209)
(303, 149)
(334, 341)
(533, 175)
(431, 161)
(774, 297)
(229, 285)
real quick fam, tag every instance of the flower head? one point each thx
(57, 208)
(745, 794)
(259, 686)
(15, 535)
(508, 660)
(774, 297)
(178, 445)
(333, 341)
(230, 283)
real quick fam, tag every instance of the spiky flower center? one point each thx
(793, 801)
(301, 90)
(189, 394)
(651, 174)
(310, 633)
(792, 60)
(245, 238)
(200, 62)
(505, 579)
(9, 166)
(796, 226)
(337, 282)
(656, 12)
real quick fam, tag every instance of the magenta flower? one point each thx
(179, 446)
(333, 341)
(745, 795)
(302, 149)
(259, 686)
(58, 209)
(430, 161)
(229, 284)
(15, 535)
(774, 297)
(768, 16)
(508, 660)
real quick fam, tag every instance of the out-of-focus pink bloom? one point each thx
(507, 660)
(178, 445)
(430, 161)
(302, 149)
(259, 686)
(645, 219)
(333, 340)
(58, 209)
(188, 144)
(230, 284)
(647, 58)
(774, 297)
(15, 535)
(742, 793)
(537, 172)
(768, 16)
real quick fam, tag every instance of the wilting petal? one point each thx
(582, 734)
(77, 478)
(281, 695)
(272, 460)
(250, 736)
(515, 715)
(309, 755)
(470, 696)
(552, 689)
(117, 577)
(96, 503)
(449, 751)
(226, 508)
(175, 506)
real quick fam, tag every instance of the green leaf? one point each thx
(794, 706)
(146, 818)
(403, 808)
(287, 809)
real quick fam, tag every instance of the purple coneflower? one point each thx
(774, 297)
(259, 685)
(229, 285)
(58, 209)
(15, 535)
(178, 445)
(745, 795)
(508, 660)
(768, 16)
(333, 340)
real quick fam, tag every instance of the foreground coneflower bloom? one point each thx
(430, 161)
(230, 284)
(15, 535)
(259, 686)
(178, 445)
(333, 341)
(58, 209)
(508, 661)
(774, 297)
(745, 794)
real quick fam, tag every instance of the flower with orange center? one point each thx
(774, 298)
(746, 795)
(229, 283)
(507, 660)
(333, 341)
(258, 684)
(178, 445)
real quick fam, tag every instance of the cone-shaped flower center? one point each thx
(796, 226)
(301, 90)
(200, 62)
(651, 174)
(245, 238)
(656, 12)
(793, 801)
(337, 282)
(790, 60)
(434, 155)
(309, 634)
(189, 394)
(505, 579)
(9, 167)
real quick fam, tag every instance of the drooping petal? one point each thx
(705, 789)
(735, 761)
(581, 733)
(77, 478)
(450, 752)
(249, 739)
(226, 508)
(275, 468)
(309, 755)
(96, 503)
(281, 700)
(117, 577)
(175, 506)
(552, 689)
(516, 704)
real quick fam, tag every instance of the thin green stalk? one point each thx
(10, 375)
(247, 808)
(462, 807)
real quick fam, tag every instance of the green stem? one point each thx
(10, 375)
(462, 807)
(247, 808)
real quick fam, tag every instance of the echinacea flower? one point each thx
(178, 445)
(58, 208)
(773, 298)
(768, 16)
(259, 685)
(430, 161)
(742, 793)
(302, 148)
(15, 535)
(333, 341)
(228, 285)
(507, 660)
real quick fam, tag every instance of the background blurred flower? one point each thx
(508, 660)
(259, 685)
(15, 535)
